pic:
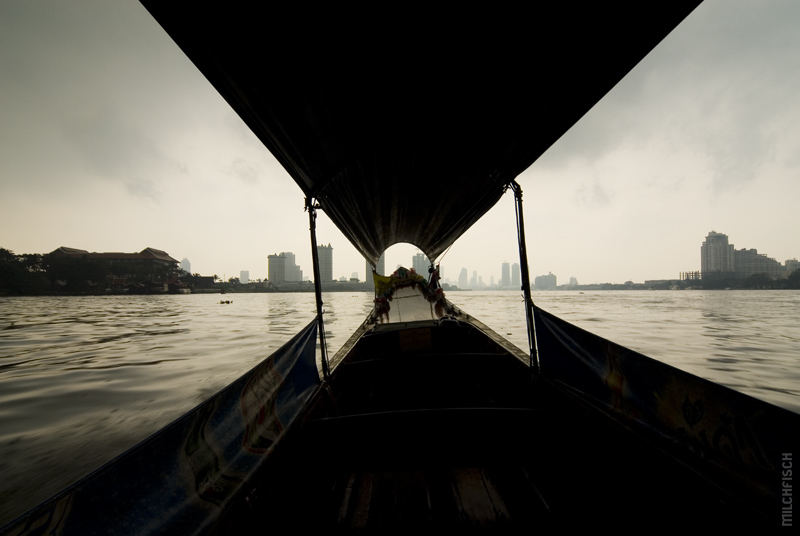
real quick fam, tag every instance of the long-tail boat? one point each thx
(409, 128)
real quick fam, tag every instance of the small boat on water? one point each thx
(426, 417)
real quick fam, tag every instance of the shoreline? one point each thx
(590, 288)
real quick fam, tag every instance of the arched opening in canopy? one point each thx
(408, 290)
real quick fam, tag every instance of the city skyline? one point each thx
(702, 134)
(718, 257)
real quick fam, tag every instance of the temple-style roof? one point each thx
(63, 250)
(147, 253)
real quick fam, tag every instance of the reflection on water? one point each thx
(84, 378)
(747, 340)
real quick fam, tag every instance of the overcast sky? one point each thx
(111, 140)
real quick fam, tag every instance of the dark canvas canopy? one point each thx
(407, 127)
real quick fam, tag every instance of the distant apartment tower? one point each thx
(293, 272)
(463, 279)
(276, 269)
(244, 277)
(420, 263)
(505, 275)
(325, 254)
(716, 256)
(790, 266)
(749, 262)
(380, 269)
(473, 281)
(281, 268)
(186, 266)
(545, 282)
(516, 280)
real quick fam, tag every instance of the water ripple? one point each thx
(84, 378)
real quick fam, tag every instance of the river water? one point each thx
(84, 378)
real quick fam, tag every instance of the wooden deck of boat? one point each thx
(439, 428)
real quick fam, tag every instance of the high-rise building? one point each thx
(463, 279)
(790, 266)
(380, 269)
(516, 280)
(186, 266)
(276, 269)
(747, 262)
(716, 256)
(473, 281)
(281, 268)
(244, 277)
(545, 282)
(420, 263)
(719, 259)
(505, 275)
(293, 271)
(325, 254)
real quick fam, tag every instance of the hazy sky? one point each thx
(111, 140)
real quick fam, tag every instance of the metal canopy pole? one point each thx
(312, 207)
(526, 281)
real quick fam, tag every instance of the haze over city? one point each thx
(111, 140)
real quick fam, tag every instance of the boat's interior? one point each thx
(435, 424)
(438, 422)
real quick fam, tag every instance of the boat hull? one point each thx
(437, 425)
(443, 424)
